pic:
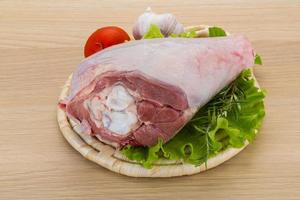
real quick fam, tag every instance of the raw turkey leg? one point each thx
(140, 91)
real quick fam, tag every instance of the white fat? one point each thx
(119, 99)
(119, 122)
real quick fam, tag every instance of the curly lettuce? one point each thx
(216, 32)
(153, 32)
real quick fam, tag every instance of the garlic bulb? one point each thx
(166, 22)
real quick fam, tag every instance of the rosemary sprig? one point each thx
(227, 101)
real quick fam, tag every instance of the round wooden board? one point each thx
(109, 157)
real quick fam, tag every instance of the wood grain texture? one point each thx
(41, 43)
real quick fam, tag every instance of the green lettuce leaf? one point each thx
(144, 155)
(216, 32)
(153, 32)
(257, 59)
(187, 34)
(230, 119)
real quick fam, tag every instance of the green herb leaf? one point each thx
(153, 32)
(216, 32)
(188, 34)
(257, 59)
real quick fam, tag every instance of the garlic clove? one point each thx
(167, 23)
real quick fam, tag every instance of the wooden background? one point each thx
(40, 45)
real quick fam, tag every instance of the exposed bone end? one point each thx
(119, 99)
(120, 122)
(114, 109)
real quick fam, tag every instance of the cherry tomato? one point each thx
(104, 37)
